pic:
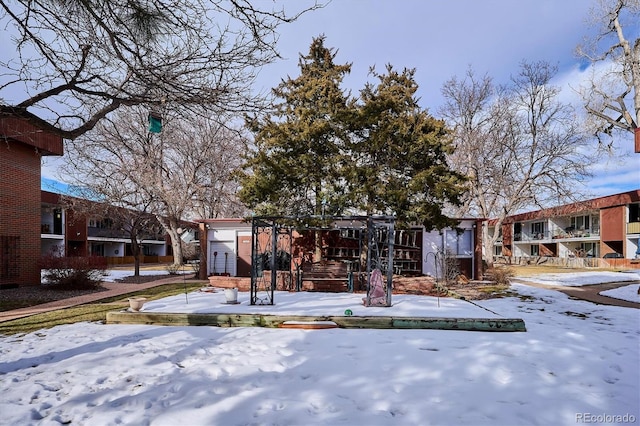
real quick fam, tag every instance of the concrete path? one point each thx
(590, 293)
(113, 289)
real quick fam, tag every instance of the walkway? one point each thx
(113, 289)
(590, 293)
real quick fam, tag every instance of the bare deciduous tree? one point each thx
(519, 146)
(78, 61)
(612, 97)
(137, 225)
(183, 171)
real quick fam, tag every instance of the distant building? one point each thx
(226, 247)
(602, 231)
(70, 233)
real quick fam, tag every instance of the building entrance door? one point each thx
(244, 256)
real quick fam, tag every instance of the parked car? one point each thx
(612, 256)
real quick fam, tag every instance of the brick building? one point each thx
(226, 247)
(25, 139)
(603, 231)
(67, 231)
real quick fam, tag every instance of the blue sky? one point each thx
(441, 39)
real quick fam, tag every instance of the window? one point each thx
(517, 231)
(580, 222)
(589, 249)
(537, 230)
(535, 250)
(101, 224)
(634, 213)
(459, 244)
(96, 249)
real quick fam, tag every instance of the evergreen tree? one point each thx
(398, 155)
(294, 169)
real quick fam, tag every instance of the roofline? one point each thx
(597, 203)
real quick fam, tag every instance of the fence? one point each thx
(129, 260)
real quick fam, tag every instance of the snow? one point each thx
(578, 279)
(577, 362)
(327, 304)
(628, 292)
(116, 274)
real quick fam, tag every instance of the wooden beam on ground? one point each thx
(275, 321)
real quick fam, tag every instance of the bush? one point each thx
(173, 268)
(73, 273)
(500, 275)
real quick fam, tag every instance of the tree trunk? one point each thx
(317, 257)
(176, 247)
(171, 228)
(135, 250)
(488, 245)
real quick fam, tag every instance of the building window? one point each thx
(517, 232)
(634, 213)
(589, 249)
(96, 249)
(535, 250)
(101, 224)
(537, 230)
(459, 244)
(580, 222)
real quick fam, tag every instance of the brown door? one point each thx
(244, 256)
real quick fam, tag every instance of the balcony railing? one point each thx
(576, 233)
(556, 234)
(45, 228)
(633, 228)
(120, 234)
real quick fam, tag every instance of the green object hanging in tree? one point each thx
(155, 122)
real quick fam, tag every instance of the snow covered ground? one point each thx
(116, 274)
(577, 279)
(577, 363)
(628, 292)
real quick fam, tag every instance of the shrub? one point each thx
(73, 273)
(173, 268)
(500, 275)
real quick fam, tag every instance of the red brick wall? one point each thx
(20, 130)
(612, 223)
(76, 233)
(20, 211)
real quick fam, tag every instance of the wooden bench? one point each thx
(326, 276)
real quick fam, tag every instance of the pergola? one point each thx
(272, 250)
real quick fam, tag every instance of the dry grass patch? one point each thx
(90, 312)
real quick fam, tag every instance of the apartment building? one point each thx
(24, 140)
(70, 233)
(605, 228)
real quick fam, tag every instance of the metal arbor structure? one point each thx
(271, 250)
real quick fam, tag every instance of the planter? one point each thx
(231, 295)
(135, 303)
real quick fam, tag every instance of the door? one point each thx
(244, 255)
